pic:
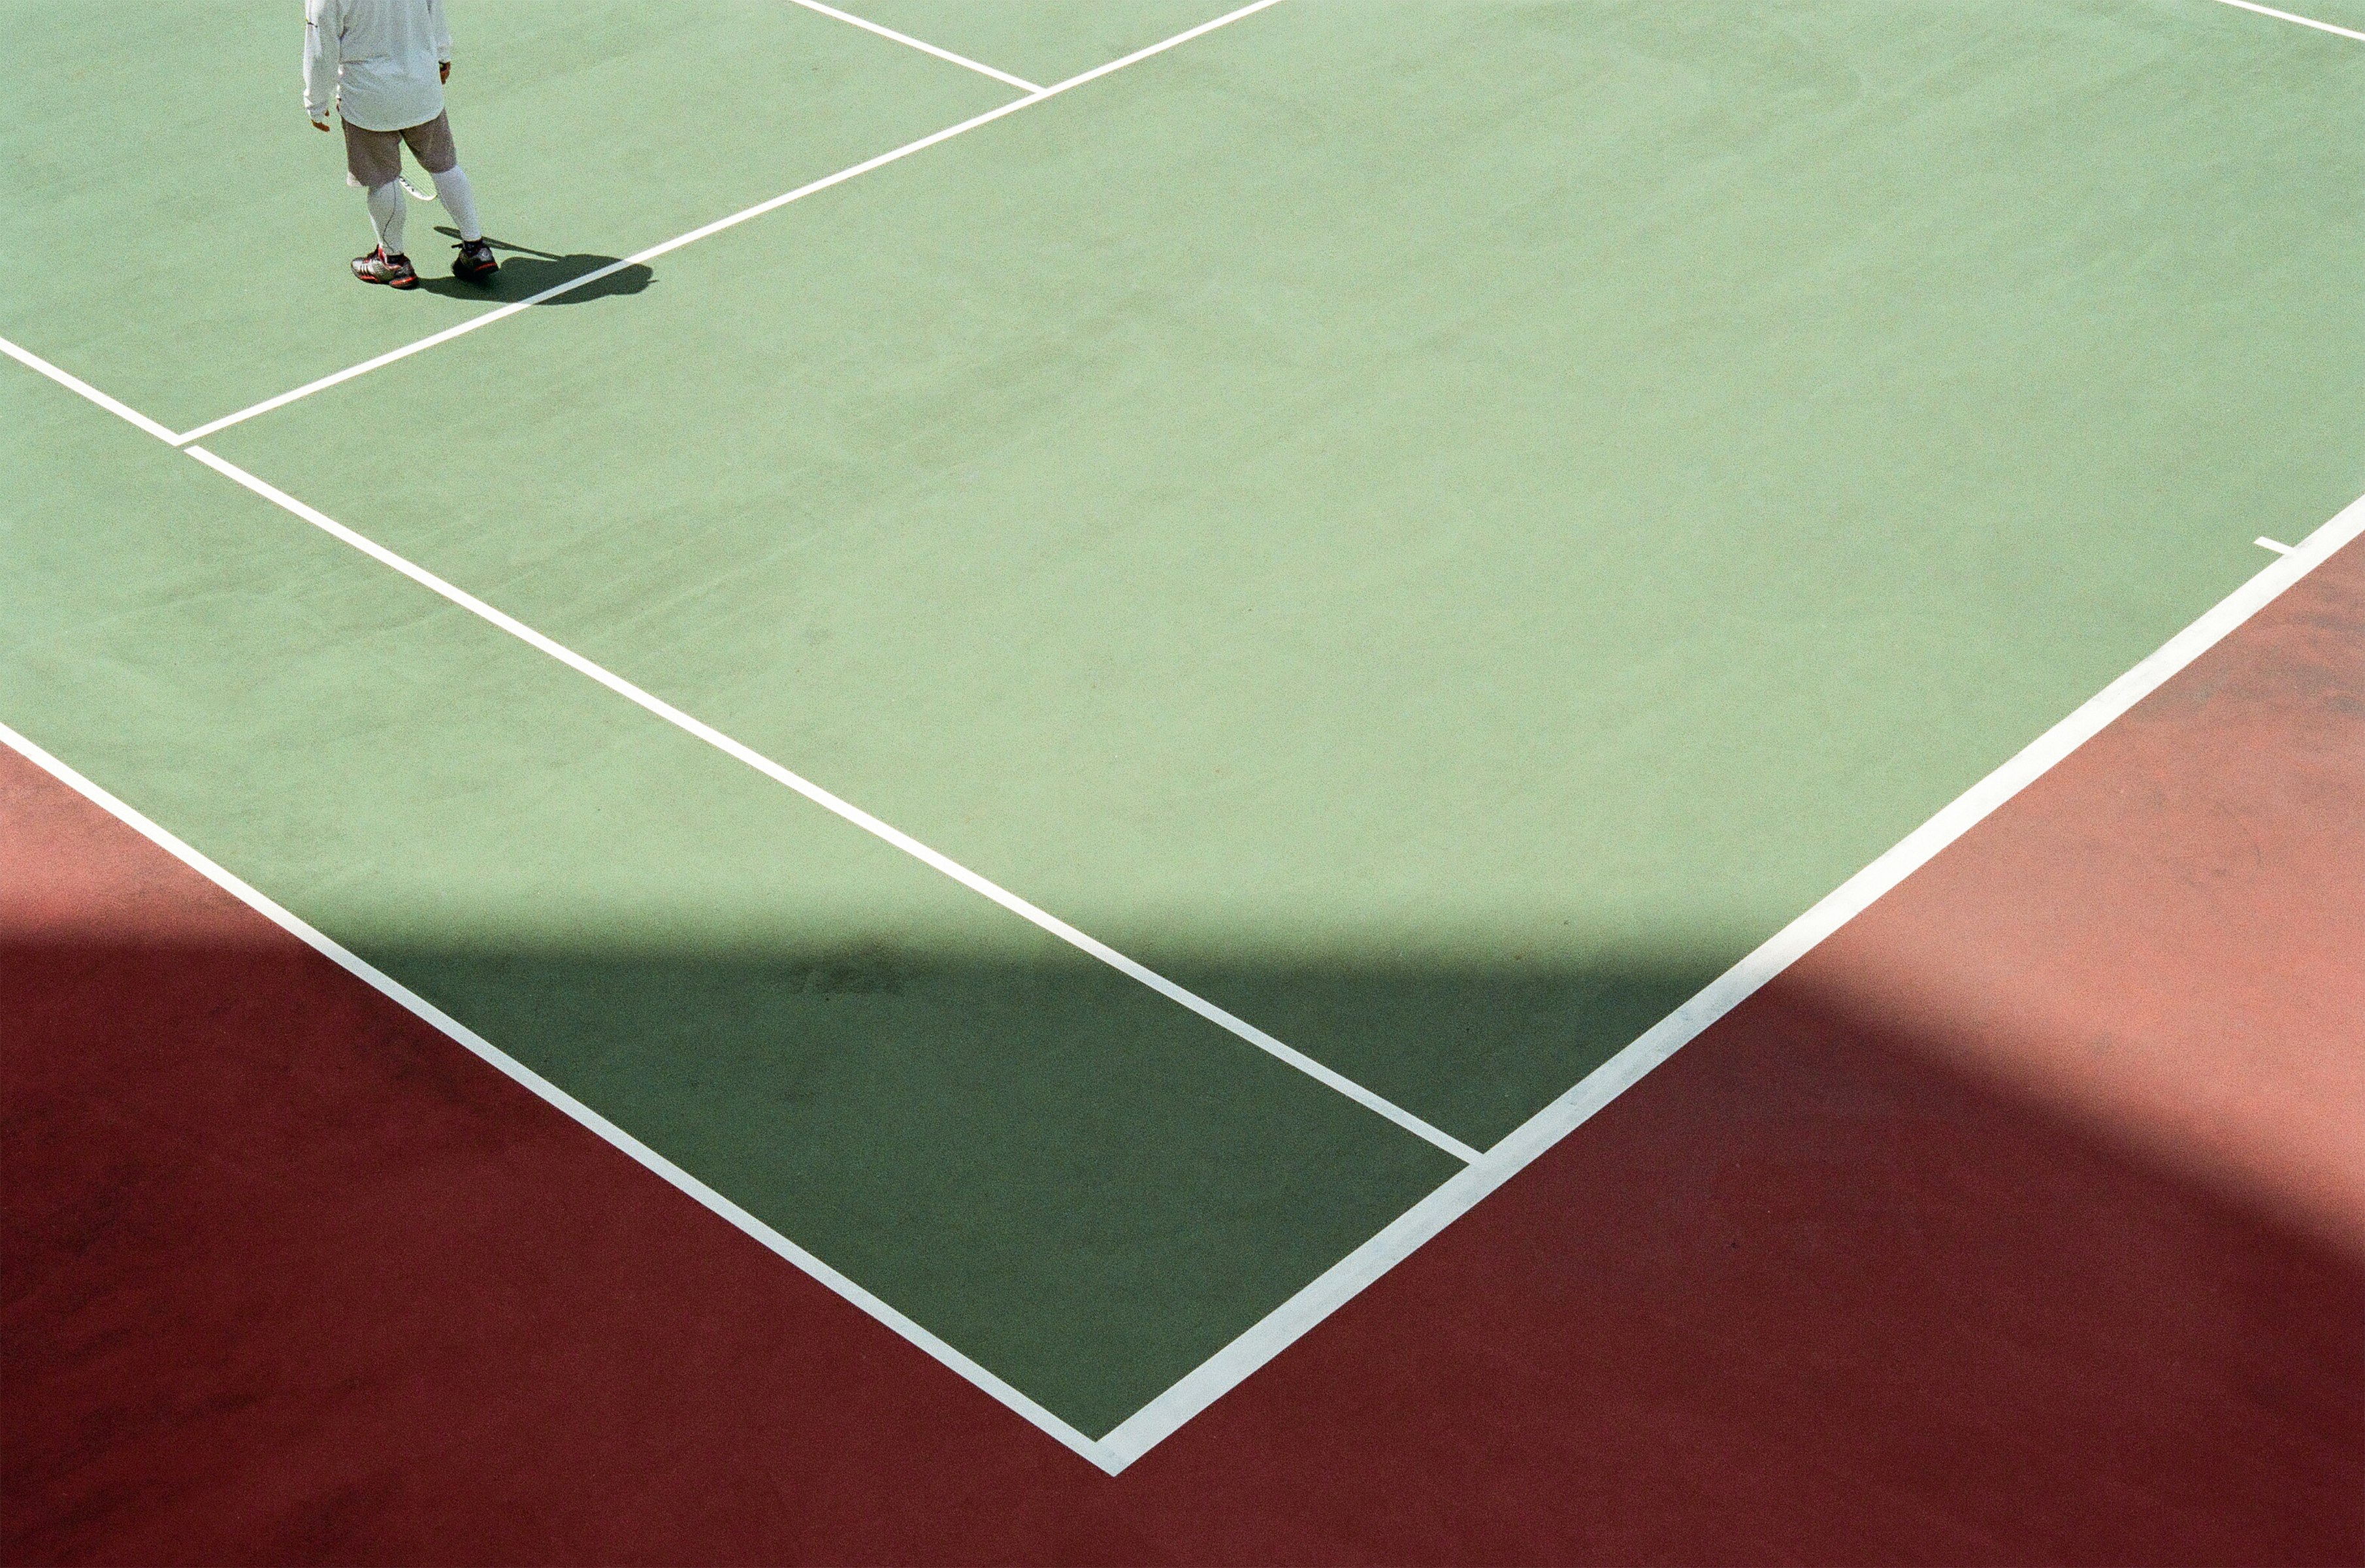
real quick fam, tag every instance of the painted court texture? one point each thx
(2020, 1222)
(1437, 537)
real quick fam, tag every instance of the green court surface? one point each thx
(1436, 527)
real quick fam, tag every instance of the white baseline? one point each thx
(1235, 1362)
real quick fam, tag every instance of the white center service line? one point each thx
(642, 258)
(2289, 17)
(925, 48)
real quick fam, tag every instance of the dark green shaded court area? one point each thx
(1437, 527)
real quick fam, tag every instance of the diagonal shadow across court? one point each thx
(1794, 1265)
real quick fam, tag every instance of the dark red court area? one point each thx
(2023, 1221)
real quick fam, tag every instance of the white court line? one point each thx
(2277, 545)
(80, 387)
(1336, 1082)
(1164, 1415)
(925, 48)
(1227, 1368)
(820, 796)
(1341, 1283)
(718, 226)
(643, 257)
(549, 1092)
(2289, 16)
(1344, 1280)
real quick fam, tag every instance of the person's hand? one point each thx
(444, 74)
(320, 125)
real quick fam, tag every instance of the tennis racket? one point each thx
(416, 194)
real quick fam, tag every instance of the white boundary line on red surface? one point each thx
(849, 18)
(640, 258)
(1238, 1361)
(2292, 16)
(542, 1089)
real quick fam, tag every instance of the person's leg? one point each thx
(432, 145)
(459, 199)
(374, 159)
(387, 265)
(385, 216)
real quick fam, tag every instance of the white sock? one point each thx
(385, 216)
(459, 199)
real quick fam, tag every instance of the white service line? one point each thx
(1377, 1104)
(2277, 545)
(889, 833)
(2289, 16)
(1154, 1422)
(518, 1072)
(925, 48)
(642, 258)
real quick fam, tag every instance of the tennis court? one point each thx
(1092, 686)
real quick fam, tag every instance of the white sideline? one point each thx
(925, 48)
(2289, 17)
(1154, 1422)
(534, 1083)
(640, 258)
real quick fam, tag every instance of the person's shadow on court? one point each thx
(526, 272)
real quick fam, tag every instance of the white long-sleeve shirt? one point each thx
(377, 62)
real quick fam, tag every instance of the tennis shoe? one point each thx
(395, 272)
(475, 261)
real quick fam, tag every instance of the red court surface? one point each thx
(2022, 1221)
